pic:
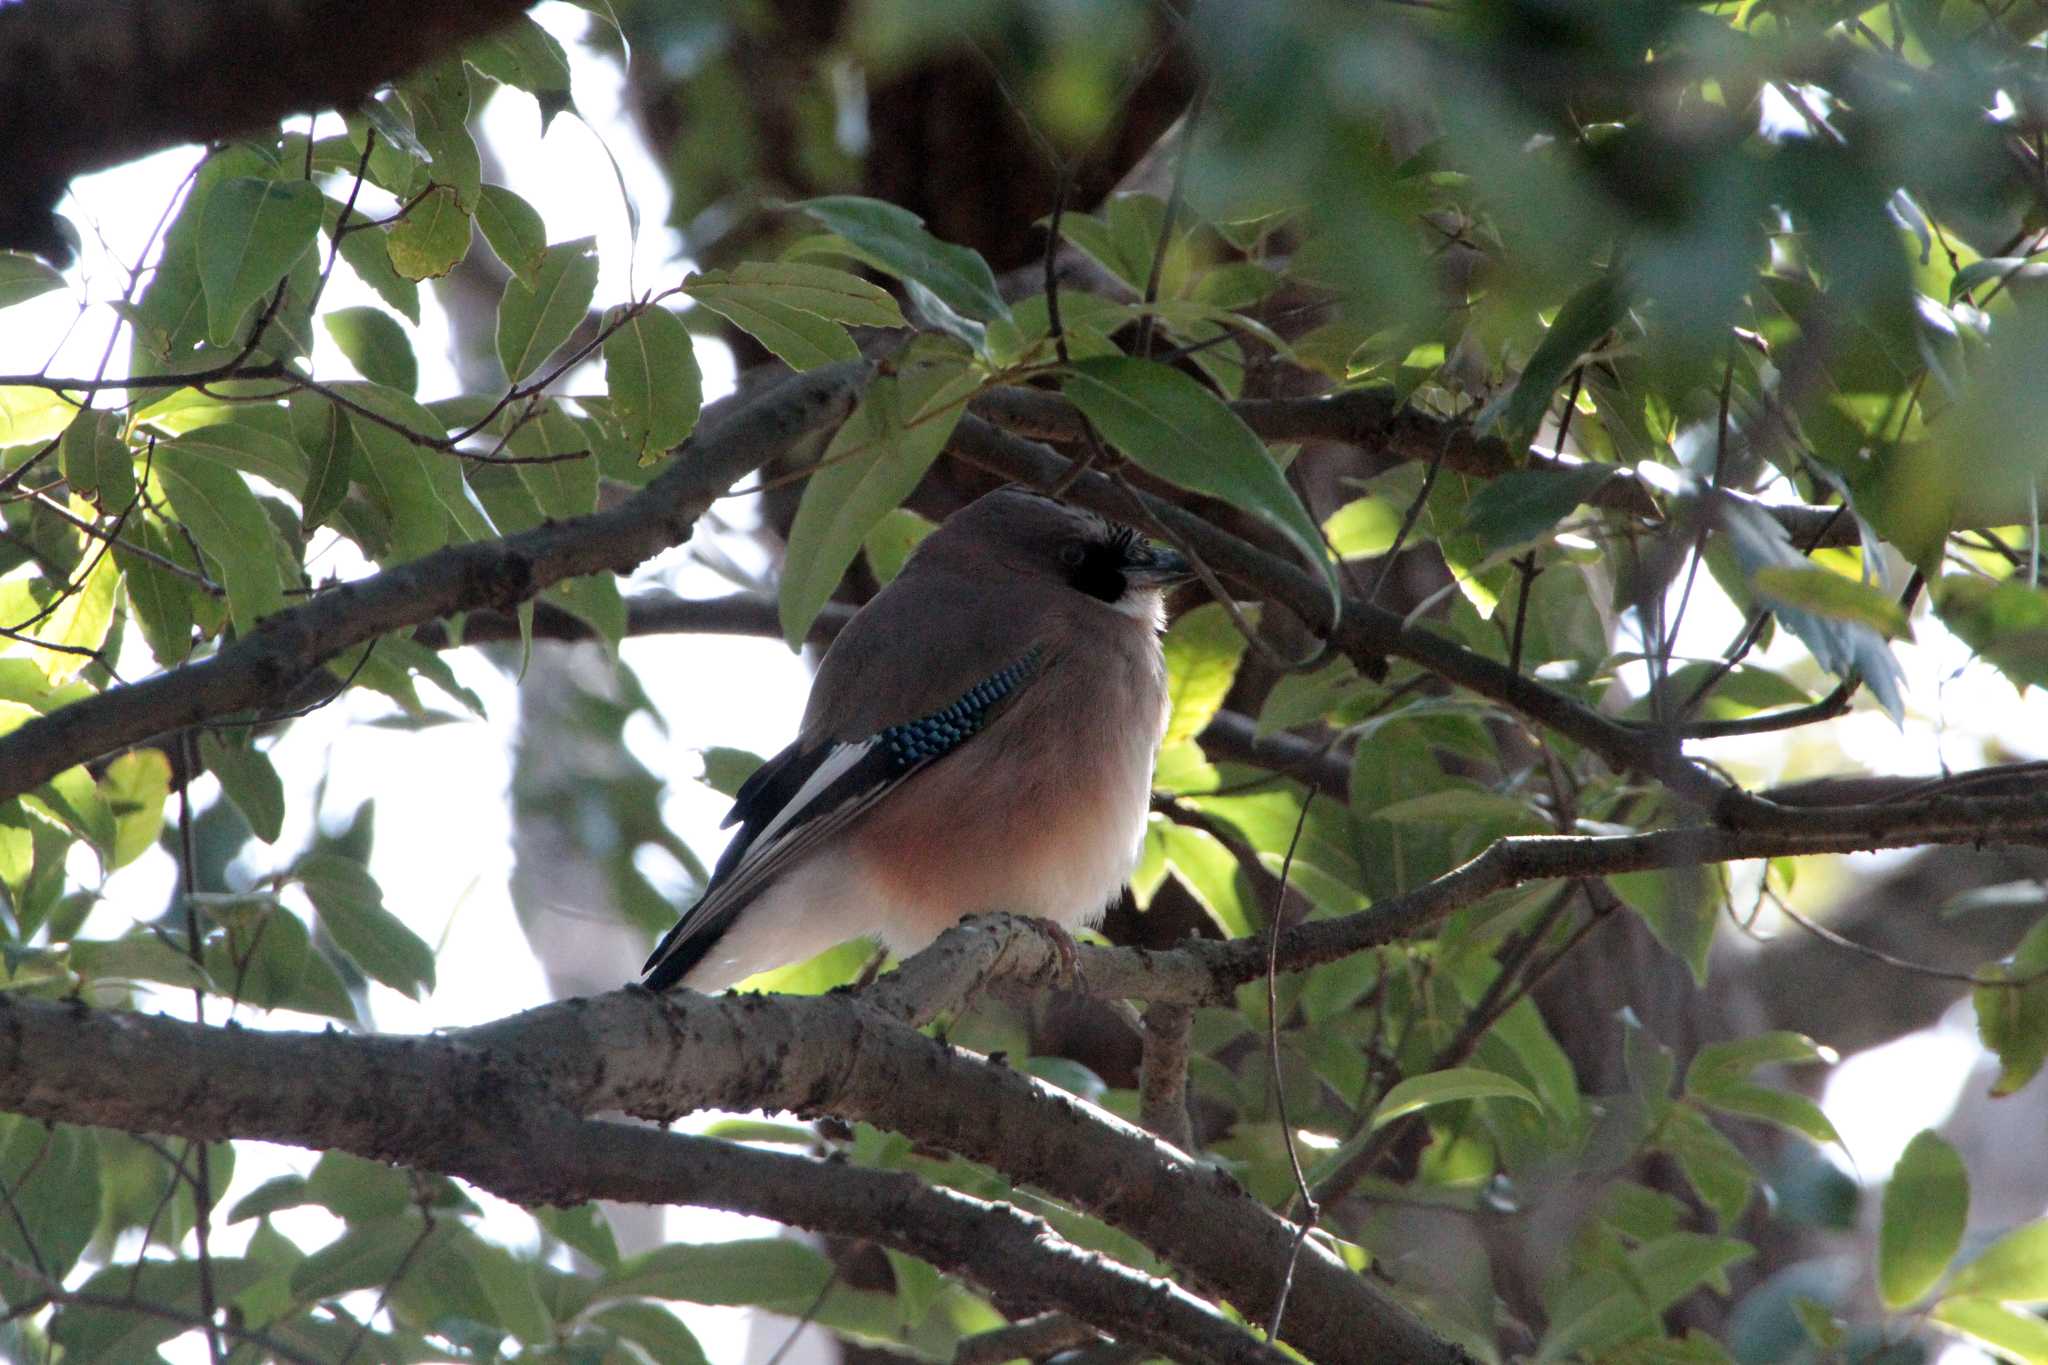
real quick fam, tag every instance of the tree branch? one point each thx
(288, 645)
(496, 1105)
(1374, 419)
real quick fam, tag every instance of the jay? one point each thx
(980, 737)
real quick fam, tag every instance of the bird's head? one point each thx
(1024, 533)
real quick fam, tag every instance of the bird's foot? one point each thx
(1063, 944)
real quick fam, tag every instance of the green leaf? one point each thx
(97, 460)
(1363, 527)
(351, 907)
(230, 526)
(1842, 647)
(1677, 907)
(1205, 866)
(394, 468)
(81, 621)
(1607, 1306)
(560, 488)
(1520, 507)
(1717, 1078)
(1585, 317)
(1306, 698)
(2006, 623)
(23, 277)
(138, 957)
(650, 371)
(890, 544)
(534, 320)
(51, 1173)
(327, 443)
(2012, 1021)
(1836, 596)
(431, 239)
(1203, 650)
(30, 413)
(511, 1285)
(1447, 1087)
(803, 340)
(1926, 1206)
(366, 1256)
(595, 599)
(835, 294)
(17, 849)
(894, 239)
(376, 345)
(368, 253)
(525, 55)
(161, 600)
(874, 461)
(585, 1228)
(249, 781)
(1715, 1168)
(251, 232)
(97, 1335)
(2022, 1336)
(136, 785)
(771, 1272)
(1178, 430)
(437, 97)
(660, 1332)
(236, 446)
(2013, 1269)
(515, 232)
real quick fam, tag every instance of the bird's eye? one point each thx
(1073, 554)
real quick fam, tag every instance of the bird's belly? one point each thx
(1047, 846)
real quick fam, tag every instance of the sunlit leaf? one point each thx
(1203, 649)
(1448, 1087)
(2013, 1269)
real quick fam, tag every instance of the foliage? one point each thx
(1606, 293)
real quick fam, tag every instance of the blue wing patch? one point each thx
(929, 737)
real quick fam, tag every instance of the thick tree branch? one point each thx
(88, 83)
(477, 1105)
(285, 647)
(1374, 419)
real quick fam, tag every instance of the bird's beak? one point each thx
(1154, 566)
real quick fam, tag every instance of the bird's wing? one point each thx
(813, 790)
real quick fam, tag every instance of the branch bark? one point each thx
(505, 1105)
(287, 646)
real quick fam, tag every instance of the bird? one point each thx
(980, 737)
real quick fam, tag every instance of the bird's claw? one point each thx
(1063, 944)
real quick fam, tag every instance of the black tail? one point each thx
(677, 952)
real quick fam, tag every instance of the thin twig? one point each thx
(1310, 1212)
